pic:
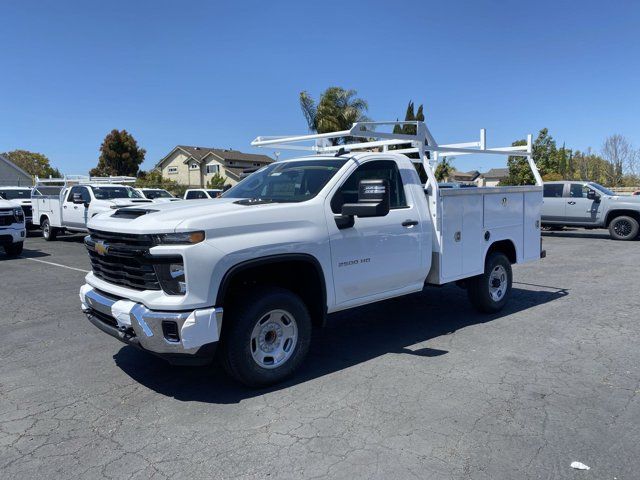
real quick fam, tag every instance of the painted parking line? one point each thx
(56, 264)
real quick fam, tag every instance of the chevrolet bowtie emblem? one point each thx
(101, 248)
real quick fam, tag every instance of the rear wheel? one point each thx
(14, 249)
(623, 228)
(49, 233)
(490, 291)
(266, 338)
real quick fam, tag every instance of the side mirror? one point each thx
(373, 200)
(592, 195)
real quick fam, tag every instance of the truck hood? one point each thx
(632, 200)
(19, 202)
(180, 216)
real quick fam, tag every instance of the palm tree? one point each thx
(338, 109)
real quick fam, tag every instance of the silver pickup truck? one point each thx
(590, 205)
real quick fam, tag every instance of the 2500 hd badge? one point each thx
(349, 263)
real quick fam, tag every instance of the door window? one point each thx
(377, 170)
(578, 190)
(553, 190)
(72, 192)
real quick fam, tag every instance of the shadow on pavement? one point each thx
(349, 339)
(599, 234)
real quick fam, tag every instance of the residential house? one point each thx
(12, 175)
(195, 166)
(493, 177)
(464, 177)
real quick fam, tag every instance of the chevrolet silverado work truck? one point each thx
(249, 274)
(67, 204)
(590, 205)
(12, 227)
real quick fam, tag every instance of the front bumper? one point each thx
(10, 235)
(184, 338)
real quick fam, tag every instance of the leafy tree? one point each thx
(544, 154)
(119, 155)
(338, 109)
(33, 163)
(444, 169)
(217, 181)
(154, 179)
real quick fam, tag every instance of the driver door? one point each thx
(75, 214)
(581, 209)
(377, 255)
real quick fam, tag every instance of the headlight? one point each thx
(171, 277)
(18, 214)
(184, 238)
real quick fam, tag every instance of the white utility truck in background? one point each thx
(12, 228)
(158, 195)
(67, 204)
(19, 197)
(299, 239)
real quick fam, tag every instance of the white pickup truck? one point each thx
(19, 197)
(300, 239)
(67, 204)
(158, 195)
(12, 228)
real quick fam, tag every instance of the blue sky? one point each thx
(220, 73)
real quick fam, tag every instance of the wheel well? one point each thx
(42, 218)
(618, 213)
(299, 273)
(504, 246)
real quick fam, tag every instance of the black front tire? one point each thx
(239, 323)
(49, 233)
(624, 228)
(14, 249)
(484, 294)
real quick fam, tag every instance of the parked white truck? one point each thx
(12, 228)
(300, 239)
(67, 204)
(19, 197)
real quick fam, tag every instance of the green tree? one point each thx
(338, 109)
(33, 163)
(545, 154)
(217, 181)
(119, 155)
(154, 179)
(444, 169)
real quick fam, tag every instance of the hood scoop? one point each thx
(132, 212)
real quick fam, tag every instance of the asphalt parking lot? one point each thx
(417, 387)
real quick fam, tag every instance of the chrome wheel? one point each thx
(274, 339)
(45, 230)
(623, 228)
(498, 282)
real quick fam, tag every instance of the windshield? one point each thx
(604, 190)
(294, 181)
(15, 194)
(109, 193)
(153, 194)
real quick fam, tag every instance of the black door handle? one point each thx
(409, 223)
(571, 203)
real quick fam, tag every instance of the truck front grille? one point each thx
(6, 218)
(123, 259)
(126, 271)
